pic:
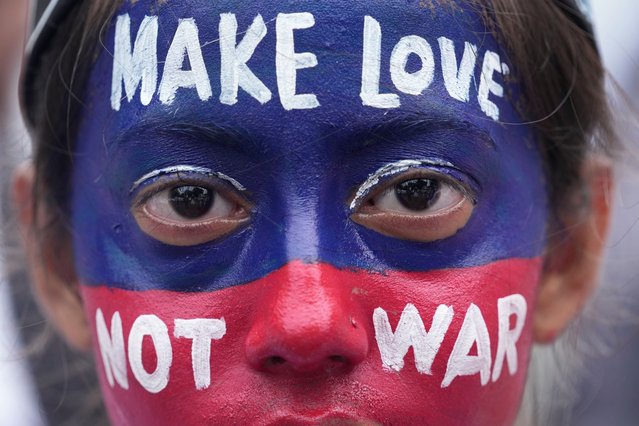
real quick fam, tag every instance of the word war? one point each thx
(410, 332)
(393, 345)
(136, 65)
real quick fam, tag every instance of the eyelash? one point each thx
(362, 196)
(154, 188)
(184, 170)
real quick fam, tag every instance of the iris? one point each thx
(191, 202)
(418, 194)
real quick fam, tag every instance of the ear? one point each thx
(573, 259)
(50, 261)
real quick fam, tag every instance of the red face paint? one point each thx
(306, 297)
(300, 347)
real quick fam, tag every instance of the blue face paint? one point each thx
(301, 166)
(304, 120)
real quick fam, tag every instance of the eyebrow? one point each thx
(414, 124)
(225, 136)
(363, 135)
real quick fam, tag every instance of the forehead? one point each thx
(350, 44)
(336, 20)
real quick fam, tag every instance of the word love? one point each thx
(410, 332)
(135, 66)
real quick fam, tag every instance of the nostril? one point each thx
(274, 361)
(338, 359)
(338, 364)
(332, 364)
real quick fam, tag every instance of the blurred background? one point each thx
(609, 389)
(18, 402)
(43, 382)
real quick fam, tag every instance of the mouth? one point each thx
(327, 419)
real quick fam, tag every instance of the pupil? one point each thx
(417, 194)
(191, 202)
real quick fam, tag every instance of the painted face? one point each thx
(305, 213)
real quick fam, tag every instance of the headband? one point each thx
(39, 43)
(57, 10)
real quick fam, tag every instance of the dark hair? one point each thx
(563, 84)
(54, 94)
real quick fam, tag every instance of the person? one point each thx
(314, 213)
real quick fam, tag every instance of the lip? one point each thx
(332, 418)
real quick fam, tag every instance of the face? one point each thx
(309, 213)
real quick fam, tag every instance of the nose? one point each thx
(307, 324)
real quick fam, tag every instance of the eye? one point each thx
(188, 202)
(184, 213)
(417, 206)
(418, 196)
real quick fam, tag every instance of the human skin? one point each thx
(296, 269)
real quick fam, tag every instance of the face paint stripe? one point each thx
(211, 280)
(297, 167)
(439, 277)
(195, 349)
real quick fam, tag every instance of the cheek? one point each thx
(442, 346)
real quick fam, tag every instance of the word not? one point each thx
(200, 330)
(136, 66)
(410, 332)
